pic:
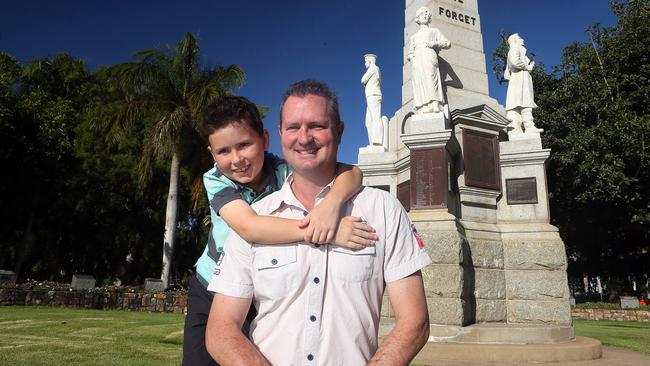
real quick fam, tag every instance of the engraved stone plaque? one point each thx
(7, 276)
(429, 178)
(481, 159)
(521, 191)
(154, 284)
(82, 282)
(404, 194)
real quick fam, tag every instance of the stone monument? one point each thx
(479, 200)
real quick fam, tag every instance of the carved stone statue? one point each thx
(372, 83)
(424, 46)
(520, 97)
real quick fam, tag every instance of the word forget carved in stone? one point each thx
(454, 15)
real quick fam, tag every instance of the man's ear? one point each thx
(340, 128)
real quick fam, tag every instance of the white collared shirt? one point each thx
(320, 304)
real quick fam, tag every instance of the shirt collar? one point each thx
(287, 197)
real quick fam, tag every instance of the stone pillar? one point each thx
(534, 255)
(477, 131)
(428, 139)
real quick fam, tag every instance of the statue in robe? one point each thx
(424, 46)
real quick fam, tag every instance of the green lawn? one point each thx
(62, 336)
(630, 335)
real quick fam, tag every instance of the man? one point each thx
(319, 305)
(371, 81)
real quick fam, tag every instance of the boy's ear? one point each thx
(211, 154)
(265, 137)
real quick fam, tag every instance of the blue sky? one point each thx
(279, 42)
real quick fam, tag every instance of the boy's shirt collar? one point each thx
(270, 182)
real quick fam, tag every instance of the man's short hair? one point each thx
(314, 87)
(227, 110)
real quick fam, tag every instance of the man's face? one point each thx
(238, 151)
(309, 137)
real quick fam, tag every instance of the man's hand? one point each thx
(223, 336)
(411, 330)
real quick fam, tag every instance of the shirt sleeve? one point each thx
(405, 253)
(219, 191)
(232, 275)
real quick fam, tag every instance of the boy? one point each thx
(244, 173)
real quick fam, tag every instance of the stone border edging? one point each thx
(611, 314)
(160, 302)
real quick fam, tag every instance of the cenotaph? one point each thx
(476, 190)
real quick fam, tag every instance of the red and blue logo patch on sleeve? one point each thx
(417, 236)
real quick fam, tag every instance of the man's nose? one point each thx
(304, 136)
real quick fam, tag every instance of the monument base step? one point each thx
(502, 333)
(497, 343)
(474, 354)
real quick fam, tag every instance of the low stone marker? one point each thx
(7, 276)
(572, 301)
(629, 302)
(154, 285)
(82, 282)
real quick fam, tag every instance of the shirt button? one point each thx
(316, 246)
(312, 318)
(274, 261)
(305, 213)
(310, 357)
(316, 280)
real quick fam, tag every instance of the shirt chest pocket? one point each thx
(275, 271)
(352, 265)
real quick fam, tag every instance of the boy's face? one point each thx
(238, 151)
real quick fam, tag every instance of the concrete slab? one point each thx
(610, 357)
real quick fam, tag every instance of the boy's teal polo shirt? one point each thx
(222, 190)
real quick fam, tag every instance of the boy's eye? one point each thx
(244, 145)
(222, 151)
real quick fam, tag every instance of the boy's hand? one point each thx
(354, 233)
(322, 222)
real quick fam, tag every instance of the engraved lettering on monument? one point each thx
(429, 178)
(521, 190)
(481, 159)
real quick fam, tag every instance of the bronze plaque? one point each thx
(520, 191)
(481, 159)
(429, 178)
(404, 194)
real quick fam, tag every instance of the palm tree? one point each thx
(170, 88)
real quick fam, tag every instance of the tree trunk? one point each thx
(171, 214)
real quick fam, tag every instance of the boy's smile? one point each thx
(238, 152)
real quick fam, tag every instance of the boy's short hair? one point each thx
(231, 109)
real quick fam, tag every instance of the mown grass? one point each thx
(63, 336)
(630, 335)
